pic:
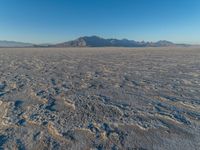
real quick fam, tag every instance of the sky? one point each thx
(52, 21)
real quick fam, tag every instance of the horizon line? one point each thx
(103, 37)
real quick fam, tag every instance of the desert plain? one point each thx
(100, 98)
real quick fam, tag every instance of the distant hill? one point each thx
(14, 44)
(95, 41)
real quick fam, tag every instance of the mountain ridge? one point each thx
(95, 41)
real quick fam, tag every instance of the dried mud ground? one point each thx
(100, 98)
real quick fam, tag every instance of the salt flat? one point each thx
(100, 98)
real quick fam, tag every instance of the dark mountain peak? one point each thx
(90, 37)
(92, 41)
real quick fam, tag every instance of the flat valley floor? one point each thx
(100, 98)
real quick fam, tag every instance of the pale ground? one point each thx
(100, 98)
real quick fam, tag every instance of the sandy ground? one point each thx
(100, 98)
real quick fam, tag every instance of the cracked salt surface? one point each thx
(100, 98)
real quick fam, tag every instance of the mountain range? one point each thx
(94, 41)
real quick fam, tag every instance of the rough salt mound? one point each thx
(100, 98)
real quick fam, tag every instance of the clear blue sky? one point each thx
(46, 21)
